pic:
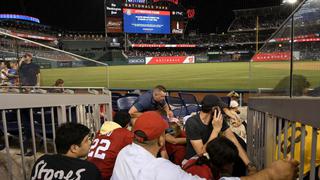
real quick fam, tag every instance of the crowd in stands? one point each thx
(9, 73)
(10, 46)
(206, 40)
(249, 23)
(20, 72)
(157, 39)
(142, 53)
(157, 52)
(48, 31)
(83, 36)
(268, 18)
(196, 149)
(28, 27)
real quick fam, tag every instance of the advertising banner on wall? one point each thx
(113, 25)
(276, 56)
(202, 59)
(136, 60)
(170, 60)
(177, 27)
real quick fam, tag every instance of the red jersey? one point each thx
(177, 151)
(105, 148)
(202, 171)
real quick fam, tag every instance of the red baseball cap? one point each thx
(151, 124)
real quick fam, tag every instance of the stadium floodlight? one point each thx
(289, 1)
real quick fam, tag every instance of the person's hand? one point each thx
(217, 120)
(170, 114)
(233, 115)
(235, 122)
(284, 169)
(252, 169)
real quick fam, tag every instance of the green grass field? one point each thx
(208, 76)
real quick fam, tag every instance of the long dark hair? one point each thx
(222, 152)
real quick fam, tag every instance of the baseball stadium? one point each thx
(160, 89)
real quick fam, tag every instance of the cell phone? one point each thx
(217, 108)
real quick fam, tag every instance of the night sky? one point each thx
(87, 15)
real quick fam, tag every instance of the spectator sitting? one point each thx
(58, 86)
(111, 138)
(138, 160)
(206, 126)
(4, 74)
(234, 105)
(72, 142)
(222, 153)
(177, 151)
(2, 64)
(219, 164)
(13, 74)
(233, 95)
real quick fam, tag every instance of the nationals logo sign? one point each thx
(191, 13)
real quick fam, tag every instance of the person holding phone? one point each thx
(208, 125)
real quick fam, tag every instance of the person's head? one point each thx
(14, 64)
(176, 130)
(234, 105)
(73, 140)
(210, 101)
(159, 93)
(122, 118)
(2, 64)
(59, 83)
(6, 65)
(233, 95)
(27, 57)
(149, 130)
(222, 153)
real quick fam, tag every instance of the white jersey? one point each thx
(136, 163)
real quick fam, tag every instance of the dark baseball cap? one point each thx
(212, 100)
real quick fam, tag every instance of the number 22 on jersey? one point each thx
(100, 151)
